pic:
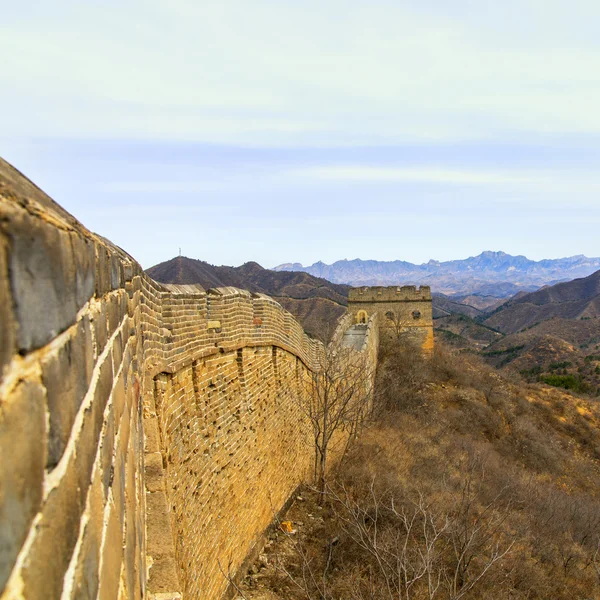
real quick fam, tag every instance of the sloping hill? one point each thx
(459, 330)
(553, 334)
(577, 299)
(472, 305)
(315, 302)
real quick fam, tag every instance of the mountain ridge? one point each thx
(493, 273)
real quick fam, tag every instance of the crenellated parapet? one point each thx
(404, 293)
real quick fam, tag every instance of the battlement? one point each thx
(392, 293)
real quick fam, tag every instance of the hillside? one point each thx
(315, 302)
(465, 478)
(578, 299)
(461, 331)
(551, 335)
(472, 305)
(490, 273)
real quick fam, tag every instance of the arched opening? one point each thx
(361, 316)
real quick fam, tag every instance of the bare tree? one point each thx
(398, 321)
(336, 399)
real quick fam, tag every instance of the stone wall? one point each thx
(152, 431)
(71, 439)
(403, 311)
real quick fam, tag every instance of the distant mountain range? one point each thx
(490, 274)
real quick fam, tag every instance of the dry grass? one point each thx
(467, 454)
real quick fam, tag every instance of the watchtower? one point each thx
(404, 311)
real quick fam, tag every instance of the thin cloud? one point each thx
(418, 175)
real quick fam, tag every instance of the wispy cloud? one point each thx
(417, 175)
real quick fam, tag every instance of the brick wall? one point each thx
(148, 433)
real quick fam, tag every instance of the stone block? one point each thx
(7, 321)
(85, 581)
(118, 395)
(85, 267)
(100, 332)
(43, 280)
(112, 554)
(118, 486)
(102, 270)
(116, 272)
(22, 431)
(87, 443)
(107, 446)
(112, 310)
(55, 538)
(117, 350)
(128, 271)
(124, 302)
(66, 374)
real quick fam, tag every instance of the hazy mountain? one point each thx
(315, 302)
(494, 274)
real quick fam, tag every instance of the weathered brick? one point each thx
(112, 553)
(107, 447)
(102, 270)
(116, 272)
(85, 582)
(87, 442)
(22, 431)
(55, 538)
(66, 374)
(43, 275)
(85, 267)
(7, 321)
(100, 333)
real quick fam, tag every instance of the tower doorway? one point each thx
(361, 316)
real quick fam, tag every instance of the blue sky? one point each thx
(296, 131)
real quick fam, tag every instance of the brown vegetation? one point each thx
(335, 403)
(466, 485)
